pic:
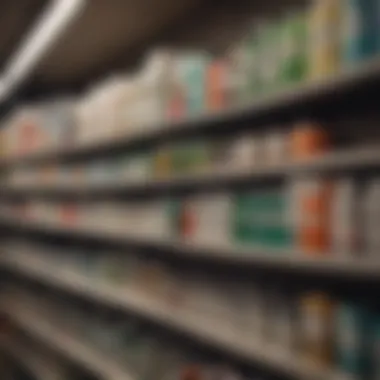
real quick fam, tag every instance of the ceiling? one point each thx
(16, 17)
(107, 35)
(111, 35)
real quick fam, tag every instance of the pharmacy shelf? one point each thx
(67, 345)
(354, 159)
(268, 109)
(202, 329)
(38, 366)
(333, 264)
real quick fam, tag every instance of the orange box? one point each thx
(308, 140)
(314, 229)
(216, 97)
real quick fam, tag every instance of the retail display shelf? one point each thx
(195, 202)
(200, 328)
(331, 162)
(69, 346)
(336, 264)
(35, 364)
(269, 109)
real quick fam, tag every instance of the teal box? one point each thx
(193, 76)
(375, 345)
(259, 218)
(353, 331)
(360, 36)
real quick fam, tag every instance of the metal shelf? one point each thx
(335, 264)
(267, 109)
(69, 346)
(209, 332)
(353, 159)
(32, 361)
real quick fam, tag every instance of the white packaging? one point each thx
(135, 169)
(158, 225)
(275, 148)
(25, 134)
(371, 218)
(245, 152)
(344, 217)
(212, 216)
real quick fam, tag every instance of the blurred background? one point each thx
(189, 190)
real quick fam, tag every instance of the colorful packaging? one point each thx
(294, 38)
(176, 101)
(25, 134)
(353, 330)
(192, 68)
(360, 30)
(216, 85)
(316, 317)
(308, 140)
(134, 169)
(189, 157)
(210, 215)
(239, 153)
(163, 162)
(58, 123)
(244, 76)
(68, 214)
(312, 200)
(325, 37)
(186, 219)
(269, 56)
(261, 218)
